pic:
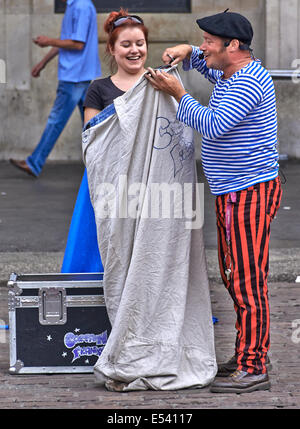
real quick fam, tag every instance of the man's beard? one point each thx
(220, 65)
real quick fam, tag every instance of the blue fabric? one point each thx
(82, 253)
(79, 24)
(101, 116)
(68, 96)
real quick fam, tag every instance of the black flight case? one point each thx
(58, 322)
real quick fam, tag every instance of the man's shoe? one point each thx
(241, 382)
(22, 165)
(227, 368)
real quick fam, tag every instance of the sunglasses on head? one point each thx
(133, 18)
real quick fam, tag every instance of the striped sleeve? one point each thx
(238, 101)
(200, 65)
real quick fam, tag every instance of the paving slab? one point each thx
(80, 391)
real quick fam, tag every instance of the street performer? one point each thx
(240, 162)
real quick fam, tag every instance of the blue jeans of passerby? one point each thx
(68, 96)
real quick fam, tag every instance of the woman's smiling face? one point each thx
(130, 50)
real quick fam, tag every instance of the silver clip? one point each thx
(228, 273)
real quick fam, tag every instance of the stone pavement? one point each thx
(79, 391)
(34, 220)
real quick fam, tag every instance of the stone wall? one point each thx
(282, 51)
(25, 102)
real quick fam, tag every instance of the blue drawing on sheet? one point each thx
(71, 340)
(176, 137)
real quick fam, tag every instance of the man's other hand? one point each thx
(176, 54)
(42, 41)
(35, 72)
(163, 81)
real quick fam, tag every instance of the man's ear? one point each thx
(234, 45)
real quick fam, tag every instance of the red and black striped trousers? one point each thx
(247, 255)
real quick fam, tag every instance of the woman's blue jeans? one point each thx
(68, 96)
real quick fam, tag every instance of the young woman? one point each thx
(155, 280)
(127, 44)
(128, 55)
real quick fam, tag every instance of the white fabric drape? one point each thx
(155, 277)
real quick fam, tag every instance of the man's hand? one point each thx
(35, 72)
(43, 41)
(176, 54)
(163, 81)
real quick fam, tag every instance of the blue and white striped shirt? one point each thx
(239, 126)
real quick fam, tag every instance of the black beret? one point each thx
(228, 25)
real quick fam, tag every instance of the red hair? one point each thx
(113, 32)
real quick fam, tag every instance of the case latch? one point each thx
(52, 306)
